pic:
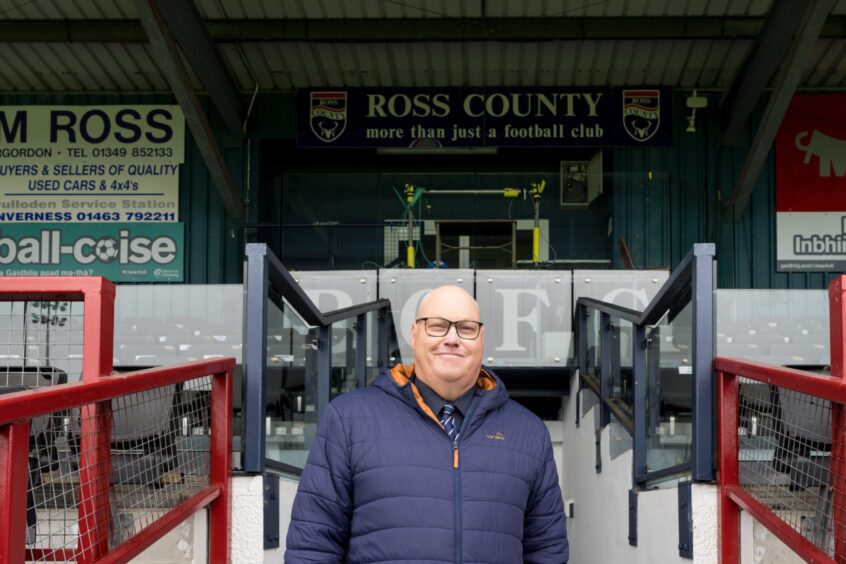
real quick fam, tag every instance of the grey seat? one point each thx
(775, 326)
(142, 324)
(143, 421)
(144, 354)
(122, 339)
(811, 339)
(188, 323)
(805, 439)
(800, 353)
(43, 455)
(764, 339)
(217, 350)
(32, 377)
(186, 341)
(33, 478)
(779, 359)
(742, 350)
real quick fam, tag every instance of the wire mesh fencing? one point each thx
(785, 451)
(96, 464)
(157, 458)
(40, 335)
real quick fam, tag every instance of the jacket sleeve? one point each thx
(320, 519)
(544, 528)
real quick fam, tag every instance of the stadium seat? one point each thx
(763, 339)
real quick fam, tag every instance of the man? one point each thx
(432, 463)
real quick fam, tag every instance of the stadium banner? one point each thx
(80, 164)
(431, 118)
(122, 252)
(811, 185)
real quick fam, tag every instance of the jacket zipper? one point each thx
(456, 471)
(457, 497)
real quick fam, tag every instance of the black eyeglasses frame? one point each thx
(450, 325)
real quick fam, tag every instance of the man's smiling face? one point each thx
(449, 364)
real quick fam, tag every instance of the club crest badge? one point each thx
(328, 115)
(641, 113)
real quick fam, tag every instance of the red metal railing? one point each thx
(93, 395)
(16, 411)
(733, 496)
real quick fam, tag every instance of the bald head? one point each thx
(447, 363)
(447, 294)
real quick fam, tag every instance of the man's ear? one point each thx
(413, 333)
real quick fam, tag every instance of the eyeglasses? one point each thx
(439, 327)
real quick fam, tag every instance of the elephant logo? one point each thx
(830, 150)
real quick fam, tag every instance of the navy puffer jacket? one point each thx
(384, 482)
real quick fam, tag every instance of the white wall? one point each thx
(248, 519)
(599, 531)
(185, 544)
(758, 544)
(287, 491)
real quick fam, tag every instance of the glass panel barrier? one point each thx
(290, 423)
(670, 392)
(343, 357)
(622, 383)
(594, 344)
(337, 289)
(527, 317)
(788, 327)
(631, 289)
(162, 325)
(371, 370)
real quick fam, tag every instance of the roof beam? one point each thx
(788, 78)
(170, 63)
(204, 59)
(761, 64)
(409, 29)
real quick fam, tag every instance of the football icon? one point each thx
(106, 249)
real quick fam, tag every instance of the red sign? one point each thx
(811, 155)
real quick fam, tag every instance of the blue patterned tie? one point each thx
(448, 421)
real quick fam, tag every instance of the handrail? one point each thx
(734, 497)
(673, 291)
(625, 418)
(823, 386)
(48, 399)
(354, 310)
(618, 311)
(692, 281)
(267, 278)
(18, 408)
(286, 286)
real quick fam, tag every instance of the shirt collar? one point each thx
(436, 402)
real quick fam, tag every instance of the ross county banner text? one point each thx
(484, 117)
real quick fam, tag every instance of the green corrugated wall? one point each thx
(659, 215)
(702, 174)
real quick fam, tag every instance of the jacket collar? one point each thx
(396, 383)
(402, 372)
